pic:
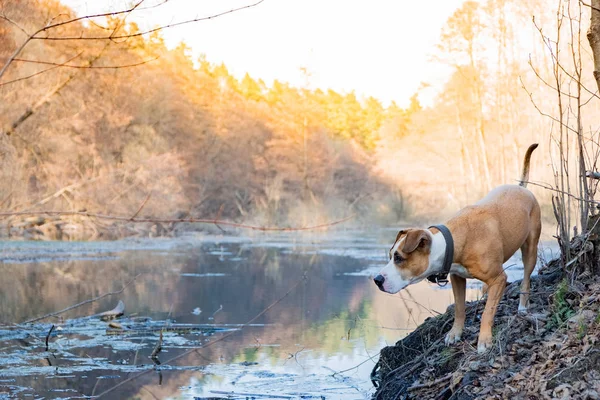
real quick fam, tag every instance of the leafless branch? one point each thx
(112, 36)
(562, 68)
(4, 17)
(108, 14)
(537, 74)
(542, 112)
(127, 36)
(548, 187)
(589, 5)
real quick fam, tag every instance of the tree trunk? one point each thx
(593, 36)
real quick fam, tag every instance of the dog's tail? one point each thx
(525, 176)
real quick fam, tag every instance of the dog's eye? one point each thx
(398, 258)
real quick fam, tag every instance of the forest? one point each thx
(106, 125)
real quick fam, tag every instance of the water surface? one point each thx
(277, 316)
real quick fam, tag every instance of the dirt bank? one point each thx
(70, 228)
(552, 352)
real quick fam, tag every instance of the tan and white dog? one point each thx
(485, 235)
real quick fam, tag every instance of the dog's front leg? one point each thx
(459, 285)
(496, 287)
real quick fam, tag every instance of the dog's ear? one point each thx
(416, 238)
(402, 232)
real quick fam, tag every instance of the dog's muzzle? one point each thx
(379, 279)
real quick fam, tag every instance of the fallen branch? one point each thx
(176, 221)
(82, 303)
(114, 313)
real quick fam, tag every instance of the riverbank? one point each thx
(552, 352)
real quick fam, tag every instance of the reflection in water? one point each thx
(333, 320)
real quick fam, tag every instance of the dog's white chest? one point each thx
(461, 271)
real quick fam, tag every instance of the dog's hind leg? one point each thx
(529, 254)
(459, 285)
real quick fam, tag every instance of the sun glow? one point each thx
(375, 48)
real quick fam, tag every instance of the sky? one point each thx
(379, 48)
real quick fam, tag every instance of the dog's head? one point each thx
(409, 260)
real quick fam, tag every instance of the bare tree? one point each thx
(593, 36)
(573, 195)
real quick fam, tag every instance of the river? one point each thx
(275, 316)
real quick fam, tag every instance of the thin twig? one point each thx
(83, 66)
(19, 27)
(82, 303)
(562, 192)
(141, 206)
(542, 112)
(356, 366)
(39, 72)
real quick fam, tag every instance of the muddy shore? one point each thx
(83, 228)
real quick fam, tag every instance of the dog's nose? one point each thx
(379, 279)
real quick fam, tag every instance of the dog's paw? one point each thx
(522, 309)
(483, 345)
(453, 336)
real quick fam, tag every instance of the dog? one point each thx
(472, 244)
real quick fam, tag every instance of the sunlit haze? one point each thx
(376, 48)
